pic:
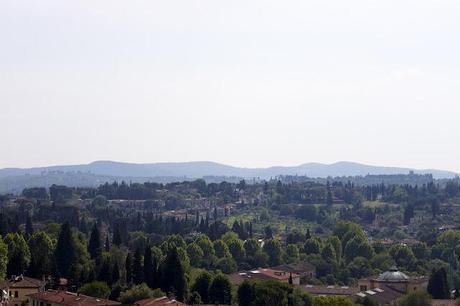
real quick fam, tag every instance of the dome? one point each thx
(393, 275)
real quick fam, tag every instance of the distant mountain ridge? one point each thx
(199, 169)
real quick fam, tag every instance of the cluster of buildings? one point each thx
(26, 291)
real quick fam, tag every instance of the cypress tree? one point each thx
(107, 244)
(437, 284)
(138, 272)
(117, 237)
(129, 268)
(201, 285)
(173, 275)
(148, 267)
(65, 253)
(29, 226)
(94, 243)
(220, 291)
(115, 273)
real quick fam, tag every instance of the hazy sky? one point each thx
(249, 83)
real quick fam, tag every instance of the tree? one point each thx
(220, 290)
(136, 293)
(117, 240)
(94, 243)
(65, 252)
(3, 258)
(251, 246)
(138, 270)
(195, 299)
(292, 253)
(221, 249)
(201, 286)
(41, 255)
(245, 294)
(29, 226)
(438, 286)
(416, 298)
(129, 268)
(195, 253)
(312, 246)
(331, 301)
(329, 200)
(236, 248)
(149, 269)
(18, 254)
(274, 251)
(173, 275)
(97, 289)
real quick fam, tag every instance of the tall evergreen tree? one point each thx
(107, 244)
(117, 237)
(94, 243)
(201, 285)
(138, 271)
(329, 200)
(29, 226)
(438, 286)
(149, 270)
(173, 275)
(129, 268)
(65, 253)
(220, 291)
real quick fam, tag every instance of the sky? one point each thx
(248, 83)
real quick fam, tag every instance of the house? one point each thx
(162, 301)
(17, 289)
(264, 274)
(390, 286)
(395, 280)
(304, 269)
(65, 298)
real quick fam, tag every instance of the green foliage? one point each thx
(416, 298)
(202, 285)
(95, 289)
(136, 293)
(173, 275)
(274, 251)
(3, 258)
(18, 254)
(331, 301)
(221, 249)
(437, 284)
(220, 290)
(41, 250)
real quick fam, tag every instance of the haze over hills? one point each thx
(95, 173)
(198, 169)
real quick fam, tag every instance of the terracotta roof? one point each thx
(330, 290)
(261, 274)
(22, 282)
(384, 295)
(70, 299)
(299, 268)
(162, 301)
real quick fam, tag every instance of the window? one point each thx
(16, 294)
(363, 288)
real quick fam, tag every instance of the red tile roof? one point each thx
(70, 299)
(22, 282)
(162, 301)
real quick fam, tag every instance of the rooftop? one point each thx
(70, 299)
(393, 275)
(162, 301)
(22, 282)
